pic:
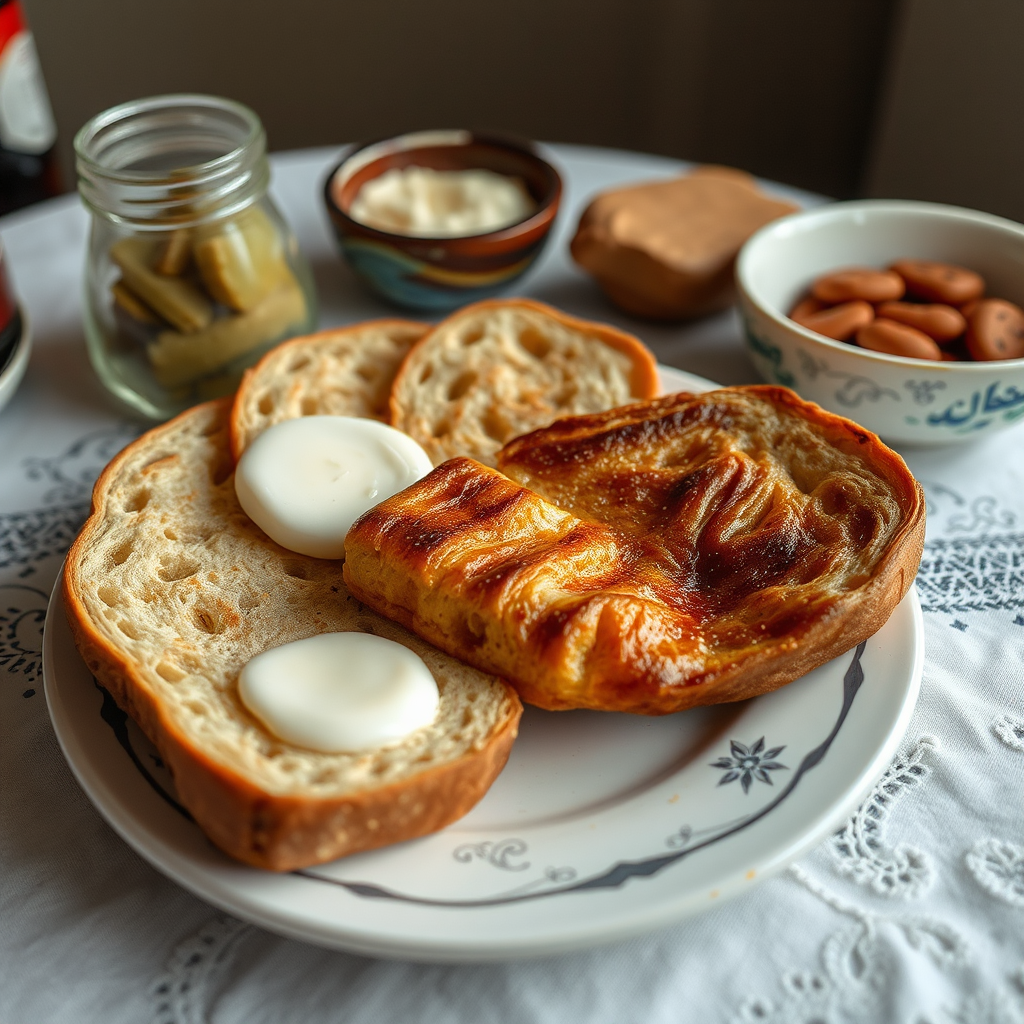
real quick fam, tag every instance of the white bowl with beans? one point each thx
(904, 399)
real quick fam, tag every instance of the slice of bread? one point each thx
(170, 589)
(347, 371)
(691, 550)
(498, 369)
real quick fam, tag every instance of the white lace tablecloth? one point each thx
(913, 913)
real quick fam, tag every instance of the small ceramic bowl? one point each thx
(905, 401)
(442, 273)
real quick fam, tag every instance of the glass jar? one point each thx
(191, 273)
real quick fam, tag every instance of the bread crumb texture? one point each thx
(343, 372)
(496, 370)
(180, 589)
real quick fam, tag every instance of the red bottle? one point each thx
(28, 159)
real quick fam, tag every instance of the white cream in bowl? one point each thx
(423, 202)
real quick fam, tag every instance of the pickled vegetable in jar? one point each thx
(192, 273)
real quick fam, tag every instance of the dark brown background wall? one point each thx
(951, 127)
(785, 88)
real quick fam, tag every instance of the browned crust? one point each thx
(644, 380)
(266, 830)
(253, 374)
(834, 626)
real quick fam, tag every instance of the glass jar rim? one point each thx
(225, 183)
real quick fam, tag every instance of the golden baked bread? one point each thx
(689, 550)
(346, 371)
(170, 589)
(666, 249)
(497, 369)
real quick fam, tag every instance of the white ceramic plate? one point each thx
(600, 827)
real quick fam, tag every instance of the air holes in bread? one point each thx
(109, 595)
(471, 337)
(534, 342)
(170, 672)
(461, 385)
(806, 481)
(171, 534)
(367, 373)
(309, 406)
(176, 567)
(138, 501)
(495, 426)
(211, 428)
(156, 461)
(299, 363)
(296, 569)
(428, 372)
(129, 629)
(265, 405)
(834, 499)
(441, 428)
(209, 620)
(121, 554)
(566, 394)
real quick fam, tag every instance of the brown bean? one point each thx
(897, 340)
(943, 323)
(858, 283)
(940, 282)
(995, 330)
(839, 322)
(805, 307)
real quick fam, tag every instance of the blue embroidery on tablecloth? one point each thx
(27, 537)
(22, 611)
(72, 473)
(962, 574)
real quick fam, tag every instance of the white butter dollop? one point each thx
(422, 202)
(340, 692)
(305, 481)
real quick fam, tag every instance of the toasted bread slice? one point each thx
(170, 589)
(346, 371)
(690, 550)
(497, 369)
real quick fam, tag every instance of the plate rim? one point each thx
(209, 882)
